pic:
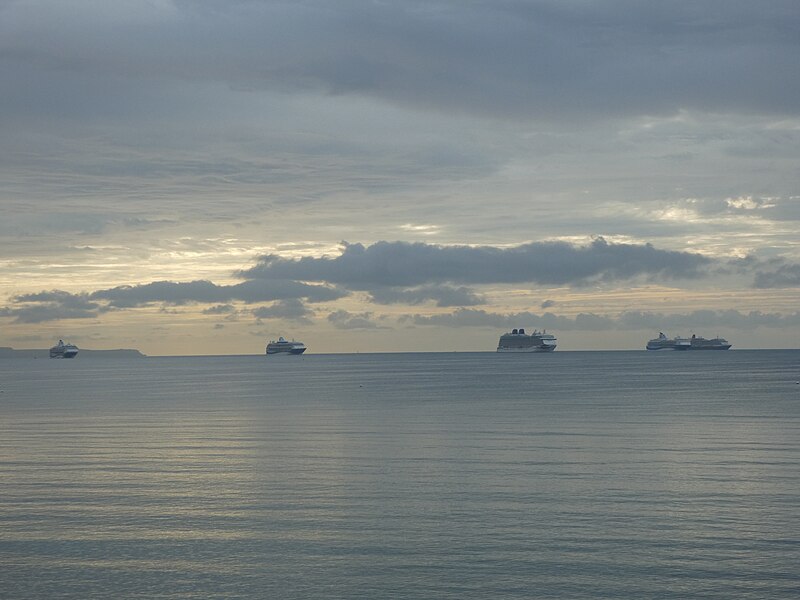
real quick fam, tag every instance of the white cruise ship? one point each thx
(62, 350)
(718, 343)
(519, 341)
(662, 342)
(284, 347)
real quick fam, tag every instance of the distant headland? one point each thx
(7, 352)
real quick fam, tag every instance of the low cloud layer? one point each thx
(403, 264)
(413, 274)
(58, 304)
(52, 306)
(176, 293)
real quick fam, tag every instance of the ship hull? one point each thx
(526, 350)
(286, 351)
(670, 348)
(712, 347)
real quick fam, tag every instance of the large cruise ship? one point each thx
(62, 350)
(662, 342)
(717, 343)
(284, 347)
(519, 341)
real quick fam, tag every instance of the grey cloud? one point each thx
(50, 306)
(502, 58)
(55, 305)
(168, 292)
(785, 276)
(773, 272)
(292, 309)
(46, 312)
(443, 295)
(260, 290)
(342, 319)
(220, 309)
(402, 264)
(178, 293)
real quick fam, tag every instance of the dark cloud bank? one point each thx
(402, 264)
(547, 58)
(409, 274)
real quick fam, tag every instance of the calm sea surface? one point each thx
(571, 475)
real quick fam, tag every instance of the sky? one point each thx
(199, 177)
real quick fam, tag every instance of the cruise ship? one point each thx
(284, 347)
(519, 341)
(717, 343)
(62, 350)
(662, 342)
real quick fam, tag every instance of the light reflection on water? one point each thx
(572, 475)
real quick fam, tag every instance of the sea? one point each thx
(570, 475)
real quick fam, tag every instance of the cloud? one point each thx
(56, 305)
(220, 309)
(785, 276)
(508, 59)
(201, 291)
(443, 295)
(403, 264)
(755, 207)
(392, 273)
(259, 291)
(291, 309)
(769, 273)
(342, 319)
(52, 305)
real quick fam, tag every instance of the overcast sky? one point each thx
(198, 177)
